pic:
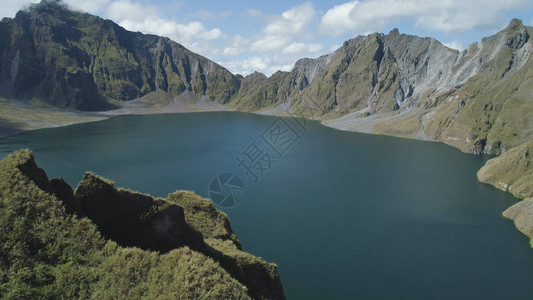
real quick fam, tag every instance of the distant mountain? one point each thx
(478, 100)
(75, 60)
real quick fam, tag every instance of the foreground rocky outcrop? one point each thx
(102, 242)
(513, 172)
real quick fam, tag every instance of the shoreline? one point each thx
(88, 117)
(519, 208)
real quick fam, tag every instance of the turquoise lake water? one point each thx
(344, 215)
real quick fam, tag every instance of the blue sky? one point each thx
(266, 36)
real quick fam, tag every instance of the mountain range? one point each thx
(63, 66)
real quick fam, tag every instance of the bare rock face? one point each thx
(477, 100)
(63, 191)
(522, 215)
(133, 219)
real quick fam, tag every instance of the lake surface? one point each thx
(344, 215)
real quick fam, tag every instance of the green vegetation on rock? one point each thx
(522, 215)
(107, 243)
(511, 171)
(75, 60)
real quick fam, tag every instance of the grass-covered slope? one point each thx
(107, 243)
(493, 111)
(511, 171)
(522, 215)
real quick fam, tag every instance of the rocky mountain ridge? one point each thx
(415, 87)
(476, 100)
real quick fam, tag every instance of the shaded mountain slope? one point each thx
(74, 60)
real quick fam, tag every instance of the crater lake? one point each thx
(344, 215)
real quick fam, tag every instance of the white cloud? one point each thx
(181, 33)
(281, 30)
(364, 16)
(270, 43)
(295, 48)
(125, 10)
(137, 16)
(302, 48)
(337, 20)
(282, 41)
(176, 5)
(254, 13)
(211, 16)
(93, 6)
(292, 21)
(205, 15)
(225, 13)
(334, 47)
(455, 44)
(246, 66)
(265, 64)
(212, 34)
(236, 45)
(254, 63)
(10, 8)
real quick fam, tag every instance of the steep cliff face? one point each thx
(73, 244)
(511, 171)
(477, 100)
(74, 60)
(258, 92)
(493, 111)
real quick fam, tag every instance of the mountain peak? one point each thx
(45, 7)
(49, 4)
(395, 31)
(517, 35)
(515, 24)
